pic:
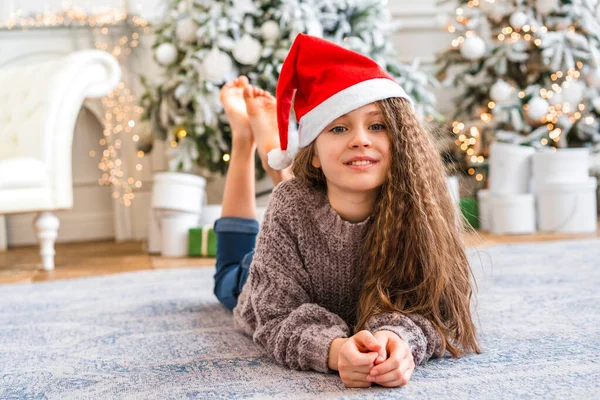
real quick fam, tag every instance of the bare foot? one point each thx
(232, 98)
(262, 113)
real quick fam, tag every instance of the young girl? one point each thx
(359, 266)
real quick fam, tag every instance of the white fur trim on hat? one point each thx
(280, 159)
(351, 98)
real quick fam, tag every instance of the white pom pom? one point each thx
(280, 159)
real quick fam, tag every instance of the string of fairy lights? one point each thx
(468, 136)
(116, 32)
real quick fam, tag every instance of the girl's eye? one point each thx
(338, 129)
(379, 127)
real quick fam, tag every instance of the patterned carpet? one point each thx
(162, 334)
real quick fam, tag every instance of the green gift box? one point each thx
(470, 210)
(202, 242)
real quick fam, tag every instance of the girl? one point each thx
(359, 266)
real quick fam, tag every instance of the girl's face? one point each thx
(354, 150)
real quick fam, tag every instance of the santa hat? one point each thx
(328, 81)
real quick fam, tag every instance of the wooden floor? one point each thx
(75, 260)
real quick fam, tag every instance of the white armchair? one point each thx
(39, 105)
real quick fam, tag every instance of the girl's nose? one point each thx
(360, 139)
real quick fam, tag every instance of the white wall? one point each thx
(149, 9)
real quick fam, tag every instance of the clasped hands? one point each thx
(382, 358)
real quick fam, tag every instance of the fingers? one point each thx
(394, 361)
(393, 378)
(367, 342)
(382, 338)
(355, 379)
(357, 358)
(397, 376)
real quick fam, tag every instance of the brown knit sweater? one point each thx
(302, 290)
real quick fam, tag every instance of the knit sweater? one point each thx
(302, 288)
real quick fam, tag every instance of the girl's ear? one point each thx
(315, 161)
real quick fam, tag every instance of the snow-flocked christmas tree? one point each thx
(204, 43)
(527, 72)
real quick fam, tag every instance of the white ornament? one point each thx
(217, 65)
(518, 19)
(247, 50)
(546, 6)
(538, 108)
(573, 92)
(500, 91)
(473, 48)
(270, 30)
(520, 46)
(186, 30)
(166, 54)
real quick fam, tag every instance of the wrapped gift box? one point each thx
(202, 242)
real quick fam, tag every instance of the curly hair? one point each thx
(413, 259)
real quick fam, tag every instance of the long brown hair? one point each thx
(413, 259)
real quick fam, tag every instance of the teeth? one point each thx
(362, 162)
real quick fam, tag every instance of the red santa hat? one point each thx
(328, 81)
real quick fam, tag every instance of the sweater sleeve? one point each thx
(290, 326)
(418, 332)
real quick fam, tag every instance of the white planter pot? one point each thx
(177, 201)
(513, 214)
(510, 168)
(154, 241)
(485, 210)
(210, 214)
(175, 232)
(568, 207)
(178, 191)
(562, 165)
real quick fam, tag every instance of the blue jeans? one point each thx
(236, 238)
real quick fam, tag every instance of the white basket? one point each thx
(568, 207)
(178, 191)
(175, 233)
(513, 214)
(510, 168)
(562, 165)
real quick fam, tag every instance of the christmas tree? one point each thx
(527, 72)
(204, 43)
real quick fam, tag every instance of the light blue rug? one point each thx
(162, 334)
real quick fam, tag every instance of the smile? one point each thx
(361, 164)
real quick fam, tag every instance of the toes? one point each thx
(248, 92)
(244, 80)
